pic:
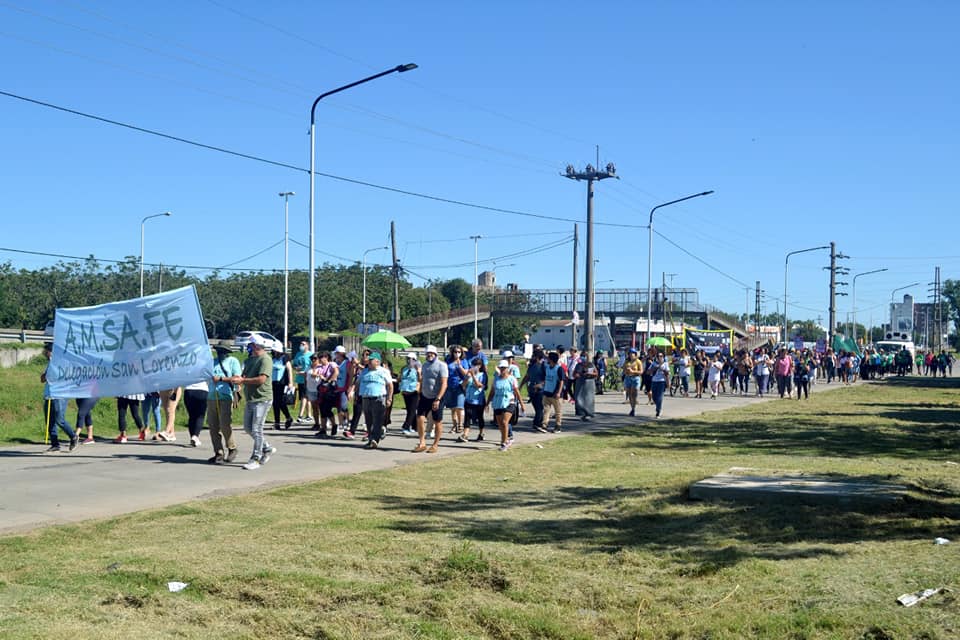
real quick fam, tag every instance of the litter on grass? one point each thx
(539, 446)
(941, 541)
(176, 586)
(910, 599)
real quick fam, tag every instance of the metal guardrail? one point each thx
(23, 336)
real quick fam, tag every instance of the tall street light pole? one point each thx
(142, 222)
(398, 69)
(286, 262)
(865, 273)
(591, 175)
(785, 261)
(476, 283)
(650, 255)
(365, 284)
(892, 293)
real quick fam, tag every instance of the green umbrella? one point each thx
(658, 341)
(385, 340)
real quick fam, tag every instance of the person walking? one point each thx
(129, 403)
(433, 386)
(300, 364)
(376, 393)
(783, 369)
(55, 411)
(659, 380)
(504, 398)
(534, 380)
(475, 386)
(195, 399)
(600, 363)
(761, 371)
(454, 397)
(85, 418)
(342, 389)
(281, 377)
(410, 390)
(632, 376)
(150, 407)
(682, 370)
(255, 380)
(714, 375)
(221, 400)
(169, 399)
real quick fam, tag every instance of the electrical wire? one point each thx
(152, 264)
(519, 254)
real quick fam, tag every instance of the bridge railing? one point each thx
(439, 318)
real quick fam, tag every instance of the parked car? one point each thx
(242, 338)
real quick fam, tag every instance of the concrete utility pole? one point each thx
(476, 283)
(396, 278)
(590, 175)
(576, 243)
(756, 328)
(834, 270)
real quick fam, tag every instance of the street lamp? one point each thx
(156, 215)
(286, 262)
(892, 293)
(650, 253)
(364, 328)
(785, 261)
(476, 284)
(865, 273)
(399, 69)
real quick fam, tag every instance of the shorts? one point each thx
(312, 395)
(454, 397)
(631, 382)
(510, 408)
(342, 403)
(302, 388)
(425, 407)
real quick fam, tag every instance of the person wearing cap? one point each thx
(552, 385)
(433, 386)
(258, 394)
(221, 400)
(515, 372)
(410, 388)
(505, 399)
(300, 363)
(281, 378)
(632, 374)
(376, 394)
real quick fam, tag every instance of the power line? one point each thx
(519, 254)
(135, 261)
(285, 165)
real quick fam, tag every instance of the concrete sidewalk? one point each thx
(107, 479)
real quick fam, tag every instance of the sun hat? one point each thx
(430, 349)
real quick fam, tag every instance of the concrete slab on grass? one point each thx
(738, 487)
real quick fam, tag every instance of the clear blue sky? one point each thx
(812, 121)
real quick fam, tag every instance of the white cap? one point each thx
(260, 341)
(277, 346)
(430, 349)
(340, 349)
(411, 356)
(508, 354)
(503, 364)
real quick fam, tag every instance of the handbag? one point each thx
(290, 397)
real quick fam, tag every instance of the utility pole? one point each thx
(834, 270)
(591, 175)
(937, 310)
(476, 284)
(756, 328)
(574, 315)
(396, 278)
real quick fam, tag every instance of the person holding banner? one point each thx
(55, 410)
(85, 418)
(131, 402)
(221, 401)
(258, 393)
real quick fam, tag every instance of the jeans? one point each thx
(55, 411)
(657, 388)
(782, 384)
(536, 399)
(151, 407)
(84, 409)
(685, 383)
(762, 381)
(254, 415)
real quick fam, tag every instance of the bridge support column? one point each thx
(446, 334)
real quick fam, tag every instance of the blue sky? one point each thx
(812, 122)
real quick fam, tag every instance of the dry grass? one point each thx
(589, 537)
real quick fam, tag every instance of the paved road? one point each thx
(106, 479)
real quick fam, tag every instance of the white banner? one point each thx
(133, 346)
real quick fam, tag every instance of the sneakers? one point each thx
(371, 444)
(162, 435)
(74, 441)
(217, 459)
(541, 429)
(252, 465)
(286, 425)
(267, 452)
(88, 440)
(461, 439)
(121, 439)
(54, 448)
(505, 445)
(632, 412)
(231, 455)
(195, 441)
(348, 435)
(479, 438)
(143, 435)
(409, 432)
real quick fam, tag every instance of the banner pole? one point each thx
(46, 430)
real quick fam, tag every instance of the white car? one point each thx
(242, 338)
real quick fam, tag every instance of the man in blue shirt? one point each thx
(476, 351)
(55, 410)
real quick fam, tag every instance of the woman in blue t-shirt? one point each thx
(474, 385)
(505, 399)
(454, 397)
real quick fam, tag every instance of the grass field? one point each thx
(588, 537)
